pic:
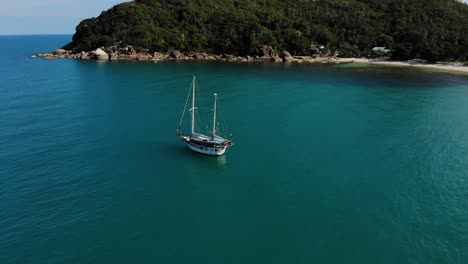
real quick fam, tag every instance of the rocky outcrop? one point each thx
(99, 54)
(263, 53)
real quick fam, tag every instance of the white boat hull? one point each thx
(205, 150)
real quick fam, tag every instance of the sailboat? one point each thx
(212, 144)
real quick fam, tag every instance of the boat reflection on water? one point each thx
(222, 161)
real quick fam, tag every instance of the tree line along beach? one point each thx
(408, 33)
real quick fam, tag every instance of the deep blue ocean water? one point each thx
(332, 164)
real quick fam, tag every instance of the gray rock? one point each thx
(99, 54)
(158, 56)
(199, 56)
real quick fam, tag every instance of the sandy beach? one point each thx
(458, 67)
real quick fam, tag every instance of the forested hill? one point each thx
(427, 29)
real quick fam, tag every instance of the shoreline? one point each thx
(444, 66)
(264, 54)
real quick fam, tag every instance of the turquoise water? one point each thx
(331, 164)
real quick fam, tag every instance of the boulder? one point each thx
(175, 54)
(190, 54)
(199, 56)
(59, 52)
(127, 50)
(111, 50)
(113, 56)
(84, 55)
(99, 54)
(158, 56)
(265, 51)
(286, 56)
(228, 56)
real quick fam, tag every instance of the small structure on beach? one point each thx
(317, 48)
(379, 52)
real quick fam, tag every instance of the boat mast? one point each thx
(214, 115)
(193, 105)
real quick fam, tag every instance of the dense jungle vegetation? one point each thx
(434, 30)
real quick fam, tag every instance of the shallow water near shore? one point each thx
(331, 164)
